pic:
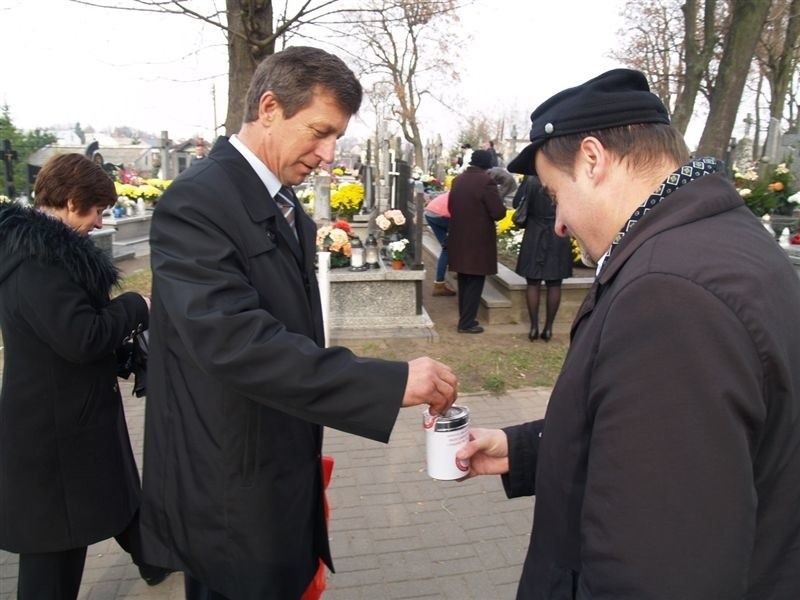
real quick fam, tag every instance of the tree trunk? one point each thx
(696, 60)
(787, 62)
(250, 40)
(747, 20)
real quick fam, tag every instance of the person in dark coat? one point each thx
(240, 382)
(543, 256)
(506, 183)
(474, 205)
(68, 478)
(667, 465)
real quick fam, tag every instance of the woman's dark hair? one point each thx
(293, 76)
(73, 177)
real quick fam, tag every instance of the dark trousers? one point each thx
(196, 590)
(57, 575)
(470, 288)
(50, 575)
(439, 225)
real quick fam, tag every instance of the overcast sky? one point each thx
(65, 63)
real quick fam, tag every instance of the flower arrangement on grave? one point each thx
(772, 194)
(431, 184)
(347, 199)
(397, 249)
(161, 184)
(149, 191)
(123, 206)
(335, 239)
(391, 221)
(509, 242)
(509, 237)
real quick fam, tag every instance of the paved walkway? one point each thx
(395, 533)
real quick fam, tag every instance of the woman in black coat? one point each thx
(543, 256)
(67, 473)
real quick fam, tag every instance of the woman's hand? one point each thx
(487, 452)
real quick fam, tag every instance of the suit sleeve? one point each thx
(670, 504)
(60, 313)
(203, 278)
(523, 453)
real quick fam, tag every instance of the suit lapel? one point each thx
(256, 199)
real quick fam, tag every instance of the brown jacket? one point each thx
(475, 205)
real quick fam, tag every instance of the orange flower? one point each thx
(343, 225)
(776, 186)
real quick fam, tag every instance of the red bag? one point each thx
(317, 585)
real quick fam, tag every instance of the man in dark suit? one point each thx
(240, 383)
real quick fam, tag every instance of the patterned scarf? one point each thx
(692, 170)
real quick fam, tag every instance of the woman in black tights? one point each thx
(543, 256)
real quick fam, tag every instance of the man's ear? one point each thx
(71, 206)
(268, 108)
(593, 158)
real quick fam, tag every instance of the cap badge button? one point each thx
(548, 128)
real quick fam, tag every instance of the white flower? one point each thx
(745, 192)
(794, 198)
(322, 233)
(397, 216)
(397, 248)
(338, 236)
(781, 169)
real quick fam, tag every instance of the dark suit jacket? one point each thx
(239, 386)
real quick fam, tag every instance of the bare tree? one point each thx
(408, 43)
(699, 49)
(747, 19)
(251, 29)
(667, 41)
(778, 52)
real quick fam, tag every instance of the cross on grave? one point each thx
(9, 157)
(748, 122)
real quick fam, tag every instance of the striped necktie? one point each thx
(284, 201)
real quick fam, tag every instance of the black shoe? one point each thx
(547, 333)
(153, 575)
(534, 333)
(473, 329)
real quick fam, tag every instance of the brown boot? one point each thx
(442, 288)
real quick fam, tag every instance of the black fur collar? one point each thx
(26, 233)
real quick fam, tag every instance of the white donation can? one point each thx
(444, 436)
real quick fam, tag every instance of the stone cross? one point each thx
(748, 121)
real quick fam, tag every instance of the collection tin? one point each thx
(444, 436)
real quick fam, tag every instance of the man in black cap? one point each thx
(668, 462)
(474, 205)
